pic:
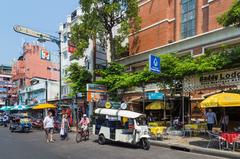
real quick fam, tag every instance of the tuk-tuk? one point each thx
(122, 126)
(20, 123)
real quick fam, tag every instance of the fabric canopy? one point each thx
(44, 106)
(6, 108)
(157, 105)
(222, 100)
(21, 107)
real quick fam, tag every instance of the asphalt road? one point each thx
(33, 146)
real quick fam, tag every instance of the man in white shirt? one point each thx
(48, 124)
(211, 119)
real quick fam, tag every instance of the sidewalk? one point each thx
(195, 145)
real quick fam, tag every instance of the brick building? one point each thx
(35, 74)
(186, 27)
(182, 26)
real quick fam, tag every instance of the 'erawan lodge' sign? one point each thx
(219, 78)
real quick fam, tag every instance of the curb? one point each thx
(199, 150)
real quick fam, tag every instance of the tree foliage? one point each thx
(174, 68)
(100, 18)
(78, 77)
(232, 16)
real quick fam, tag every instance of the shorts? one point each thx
(49, 130)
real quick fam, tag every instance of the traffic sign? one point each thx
(108, 105)
(123, 106)
(154, 64)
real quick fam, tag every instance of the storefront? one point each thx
(199, 87)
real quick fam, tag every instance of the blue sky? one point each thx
(40, 15)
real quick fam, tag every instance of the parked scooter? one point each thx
(37, 124)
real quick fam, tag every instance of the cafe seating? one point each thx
(214, 140)
(236, 143)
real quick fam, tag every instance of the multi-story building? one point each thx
(5, 85)
(184, 27)
(87, 60)
(35, 75)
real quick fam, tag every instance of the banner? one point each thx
(96, 92)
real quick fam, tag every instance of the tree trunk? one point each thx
(112, 46)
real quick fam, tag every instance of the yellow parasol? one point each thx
(44, 106)
(157, 105)
(222, 100)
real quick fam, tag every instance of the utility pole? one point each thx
(42, 37)
(60, 68)
(143, 89)
(46, 84)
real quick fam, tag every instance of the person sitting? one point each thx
(84, 122)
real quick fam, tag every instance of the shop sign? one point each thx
(155, 95)
(154, 64)
(45, 55)
(96, 92)
(225, 77)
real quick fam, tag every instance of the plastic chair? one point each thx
(236, 143)
(214, 139)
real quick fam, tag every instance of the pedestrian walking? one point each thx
(64, 127)
(224, 122)
(211, 119)
(48, 124)
(5, 120)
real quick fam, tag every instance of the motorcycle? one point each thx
(57, 127)
(37, 124)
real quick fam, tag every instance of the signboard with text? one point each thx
(96, 92)
(209, 80)
(155, 95)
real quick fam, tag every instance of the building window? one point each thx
(65, 38)
(64, 25)
(65, 55)
(74, 15)
(188, 18)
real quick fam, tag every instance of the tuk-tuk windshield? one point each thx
(141, 121)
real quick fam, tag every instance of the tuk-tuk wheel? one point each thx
(26, 130)
(145, 144)
(101, 139)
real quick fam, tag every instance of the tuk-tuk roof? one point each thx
(117, 112)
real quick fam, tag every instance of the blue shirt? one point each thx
(211, 117)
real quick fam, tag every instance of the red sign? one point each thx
(71, 47)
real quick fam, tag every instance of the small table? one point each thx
(158, 130)
(229, 137)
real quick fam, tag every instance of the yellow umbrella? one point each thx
(222, 100)
(157, 105)
(44, 106)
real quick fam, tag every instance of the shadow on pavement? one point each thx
(202, 144)
(118, 144)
